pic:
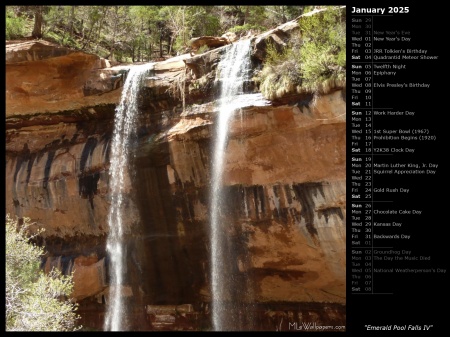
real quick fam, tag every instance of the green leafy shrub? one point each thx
(15, 26)
(313, 61)
(245, 28)
(323, 52)
(202, 49)
(281, 73)
(35, 301)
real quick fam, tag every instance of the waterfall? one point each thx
(124, 129)
(232, 69)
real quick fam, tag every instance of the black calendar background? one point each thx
(407, 299)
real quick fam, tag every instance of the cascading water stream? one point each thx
(232, 69)
(124, 129)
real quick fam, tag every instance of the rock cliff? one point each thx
(284, 178)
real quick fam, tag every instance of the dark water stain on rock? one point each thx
(88, 186)
(304, 193)
(48, 166)
(88, 149)
(87, 181)
(328, 212)
(22, 157)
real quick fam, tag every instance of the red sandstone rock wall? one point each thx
(284, 172)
